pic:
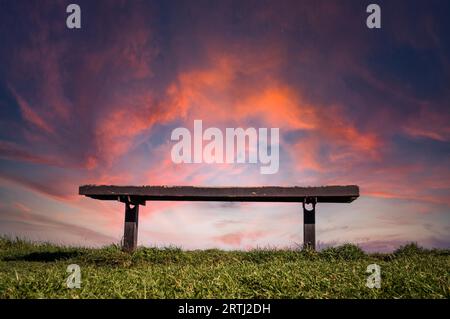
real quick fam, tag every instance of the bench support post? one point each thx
(309, 224)
(131, 227)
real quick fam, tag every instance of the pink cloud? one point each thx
(236, 239)
(429, 124)
(31, 116)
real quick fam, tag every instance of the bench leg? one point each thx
(131, 227)
(309, 226)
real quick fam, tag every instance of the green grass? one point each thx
(30, 270)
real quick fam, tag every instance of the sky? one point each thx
(353, 105)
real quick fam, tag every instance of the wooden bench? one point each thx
(133, 196)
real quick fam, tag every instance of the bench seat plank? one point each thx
(324, 194)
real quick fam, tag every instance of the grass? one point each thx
(30, 270)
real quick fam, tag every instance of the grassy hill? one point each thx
(30, 270)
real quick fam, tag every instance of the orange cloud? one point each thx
(216, 94)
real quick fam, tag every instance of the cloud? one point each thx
(429, 124)
(29, 222)
(237, 239)
(31, 116)
(16, 152)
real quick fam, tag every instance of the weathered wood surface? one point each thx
(309, 226)
(130, 233)
(140, 194)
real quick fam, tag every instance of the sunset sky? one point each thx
(353, 105)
